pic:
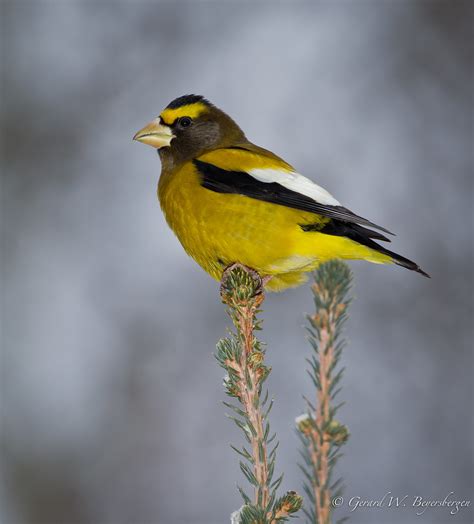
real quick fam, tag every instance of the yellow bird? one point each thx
(230, 201)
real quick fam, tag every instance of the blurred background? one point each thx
(111, 397)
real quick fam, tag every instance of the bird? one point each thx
(230, 201)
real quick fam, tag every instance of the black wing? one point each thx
(343, 221)
(238, 182)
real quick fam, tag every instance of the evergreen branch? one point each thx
(320, 432)
(242, 356)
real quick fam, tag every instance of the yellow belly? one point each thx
(218, 229)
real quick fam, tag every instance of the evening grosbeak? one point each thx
(230, 201)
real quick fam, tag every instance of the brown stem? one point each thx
(320, 443)
(250, 399)
(249, 390)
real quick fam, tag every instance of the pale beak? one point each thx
(155, 134)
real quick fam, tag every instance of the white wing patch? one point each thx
(295, 182)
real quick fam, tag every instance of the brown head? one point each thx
(189, 126)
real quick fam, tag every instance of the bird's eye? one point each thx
(185, 121)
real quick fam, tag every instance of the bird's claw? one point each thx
(259, 281)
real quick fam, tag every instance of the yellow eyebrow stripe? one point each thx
(191, 110)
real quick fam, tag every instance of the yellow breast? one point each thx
(218, 229)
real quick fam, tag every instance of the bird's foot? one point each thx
(257, 284)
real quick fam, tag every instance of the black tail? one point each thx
(399, 260)
(364, 236)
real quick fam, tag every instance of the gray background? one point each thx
(110, 394)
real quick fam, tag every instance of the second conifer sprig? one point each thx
(321, 433)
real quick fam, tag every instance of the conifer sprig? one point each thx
(321, 434)
(242, 356)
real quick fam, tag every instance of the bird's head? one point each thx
(189, 126)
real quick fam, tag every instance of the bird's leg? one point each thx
(260, 282)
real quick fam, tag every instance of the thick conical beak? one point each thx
(155, 134)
